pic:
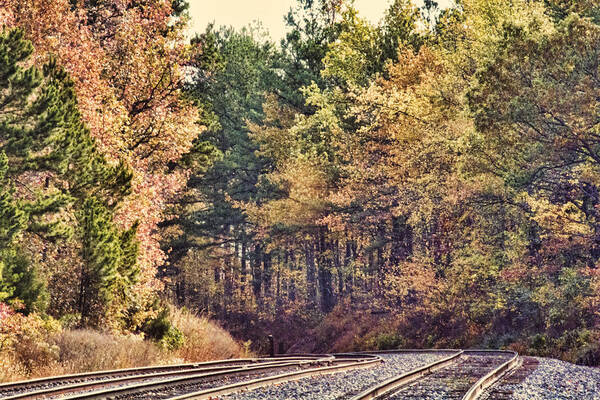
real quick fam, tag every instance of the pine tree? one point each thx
(12, 222)
(108, 267)
(19, 283)
(50, 152)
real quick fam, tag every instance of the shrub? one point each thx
(386, 341)
(161, 330)
(32, 346)
(538, 344)
(24, 347)
(173, 339)
(204, 340)
(589, 355)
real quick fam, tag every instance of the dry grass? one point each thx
(10, 368)
(74, 351)
(204, 340)
(86, 350)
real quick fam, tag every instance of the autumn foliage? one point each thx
(126, 59)
(428, 181)
(431, 180)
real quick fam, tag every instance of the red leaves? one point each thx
(126, 60)
(5, 311)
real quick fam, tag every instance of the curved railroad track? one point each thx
(166, 381)
(456, 375)
(20, 388)
(464, 375)
(505, 387)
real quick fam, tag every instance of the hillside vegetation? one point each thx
(39, 348)
(430, 180)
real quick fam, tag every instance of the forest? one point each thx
(429, 181)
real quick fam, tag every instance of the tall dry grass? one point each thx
(204, 340)
(74, 351)
(87, 350)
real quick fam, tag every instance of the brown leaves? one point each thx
(126, 59)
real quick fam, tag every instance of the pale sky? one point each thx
(239, 13)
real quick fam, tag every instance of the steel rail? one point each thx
(204, 369)
(102, 374)
(272, 380)
(64, 380)
(197, 378)
(73, 387)
(492, 377)
(474, 391)
(213, 370)
(401, 351)
(405, 378)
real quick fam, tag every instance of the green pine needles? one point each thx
(56, 185)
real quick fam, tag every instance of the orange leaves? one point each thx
(56, 30)
(5, 311)
(126, 59)
(412, 69)
(146, 70)
(411, 281)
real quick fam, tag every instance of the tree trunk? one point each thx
(267, 273)
(325, 277)
(349, 271)
(402, 240)
(256, 271)
(243, 266)
(337, 262)
(309, 252)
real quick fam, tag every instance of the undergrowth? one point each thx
(33, 346)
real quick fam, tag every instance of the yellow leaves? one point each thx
(306, 199)
(348, 57)
(564, 220)
(344, 62)
(413, 279)
(588, 172)
(277, 141)
(485, 20)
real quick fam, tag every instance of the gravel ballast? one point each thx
(452, 381)
(341, 385)
(557, 380)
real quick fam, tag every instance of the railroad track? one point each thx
(504, 389)
(458, 375)
(71, 383)
(167, 381)
(464, 375)
(15, 388)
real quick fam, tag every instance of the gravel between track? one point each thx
(341, 385)
(452, 381)
(558, 380)
(114, 375)
(180, 389)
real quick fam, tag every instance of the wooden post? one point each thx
(271, 346)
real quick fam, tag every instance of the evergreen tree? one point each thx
(232, 74)
(312, 26)
(18, 280)
(108, 267)
(12, 222)
(51, 154)
(12, 219)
